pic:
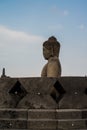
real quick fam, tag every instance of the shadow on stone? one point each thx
(17, 92)
(58, 92)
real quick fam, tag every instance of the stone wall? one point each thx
(28, 103)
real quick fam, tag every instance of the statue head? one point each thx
(51, 48)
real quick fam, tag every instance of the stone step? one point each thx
(58, 124)
(43, 114)
(43, 119)
(73, 124)
(13, 113)
(13, 124)
(71, 113)
(57, 114)
(44, 124)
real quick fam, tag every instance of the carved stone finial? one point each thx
(3, 73)
(51, 49)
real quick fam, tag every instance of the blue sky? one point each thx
(26, 24)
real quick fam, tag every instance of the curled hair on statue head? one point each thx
(52, 38)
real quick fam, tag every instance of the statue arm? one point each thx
(44, 71)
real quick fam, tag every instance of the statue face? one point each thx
(46, 53)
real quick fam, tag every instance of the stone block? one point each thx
(41, 114)
(71, 113)
(75, 96)
(72, 124)
(13, 124)
(26, 93)
(13, 114)
(42, 124)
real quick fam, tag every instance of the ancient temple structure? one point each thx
(27, 104)
(43, 103)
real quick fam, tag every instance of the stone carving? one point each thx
(51, 49)
(3, 73)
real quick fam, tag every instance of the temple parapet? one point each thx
(36, 93)
(43, 103)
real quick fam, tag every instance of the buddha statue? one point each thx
(51, 49)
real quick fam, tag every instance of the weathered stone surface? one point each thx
(13, 113)
(13, 119)
(26, 93)
(72, 124)
(42, 119)
(38, 93)
(27, 103)
(42, 124)
(42, 114)
(76, 92)
(13, 124)
(70, 93)
(71, 114)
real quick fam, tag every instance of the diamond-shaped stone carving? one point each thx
(17, 92)
(57, 92)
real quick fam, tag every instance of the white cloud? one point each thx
(11, 39)
(10, 34)
(82, 26)
(18, 51)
